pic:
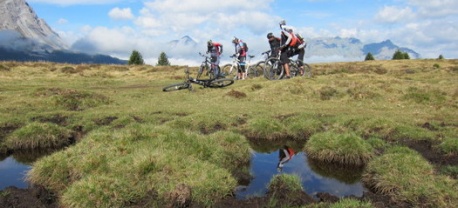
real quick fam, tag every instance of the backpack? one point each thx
(294, 40)
(245, 47)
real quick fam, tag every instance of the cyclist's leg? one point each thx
(215, 65)
(284, 57)
(242, 66)
(300, 57)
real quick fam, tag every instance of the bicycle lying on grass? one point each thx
(187, 84)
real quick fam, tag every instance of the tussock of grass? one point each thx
(347, 149)
(407, 176)
(449, 146)
(132, 162)
(265, 128)
(39, 135)
(285, 188)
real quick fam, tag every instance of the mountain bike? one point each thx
(231, 70)
(206, 66)
(274, 69)
(187, 84)
(262, 64)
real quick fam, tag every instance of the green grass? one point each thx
(135, 141)
(407, 176)
(346, 149)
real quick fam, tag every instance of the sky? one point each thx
(117, 27)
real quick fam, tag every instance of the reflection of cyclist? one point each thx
(285, 154)
(240, 52)
(215, 49)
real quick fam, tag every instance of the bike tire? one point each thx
(254, 71)
(176, 87)
(218, 83)
(294, 69)
(228, 72)
(201, 70)
(274, 69)
(307, 69)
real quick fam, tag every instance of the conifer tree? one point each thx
(406, 55)
(398, 55)
(163, 60)
(136, 58)
(369, 57)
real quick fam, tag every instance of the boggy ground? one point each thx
(39, 197)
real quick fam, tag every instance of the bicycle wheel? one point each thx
(255, 71)
(175, 87)
(217, 83)
(294, 69)
(229, 71)
(201, 70)
(307, 69)
(274, 69)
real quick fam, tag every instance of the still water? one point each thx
(12, 173)
(315, 177)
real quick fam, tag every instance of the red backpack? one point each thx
(294, 40)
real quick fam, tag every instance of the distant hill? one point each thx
(57, 56)
(25, 37)
(352, 48)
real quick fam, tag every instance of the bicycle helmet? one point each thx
(270, 35)
(235, 40)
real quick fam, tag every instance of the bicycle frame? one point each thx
(206, 65)
(232, 69)
(187, 84)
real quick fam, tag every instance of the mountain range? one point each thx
(345, 48)
(25, 37)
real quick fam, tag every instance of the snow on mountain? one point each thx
(20, 28)
(184, 41)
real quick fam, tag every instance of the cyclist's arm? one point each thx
(302, 45)
(289, 36)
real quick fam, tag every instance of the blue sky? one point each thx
(116, 27)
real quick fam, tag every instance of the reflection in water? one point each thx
(284, 155)
(315, 177)
(13, 173)
(13, 168)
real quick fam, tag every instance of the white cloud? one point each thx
(435, 8)
(392, 14)
(75, 2)
(120, 14)
(62, 21)
(407, 25)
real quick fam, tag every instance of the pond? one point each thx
(13, 168)
(315, 176)
(13, 173)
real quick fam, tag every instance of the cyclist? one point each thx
(215, 49)
(299, 50)
(274, 43)
(240, 53)
(288, 41)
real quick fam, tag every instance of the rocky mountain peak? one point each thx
(20, 26)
